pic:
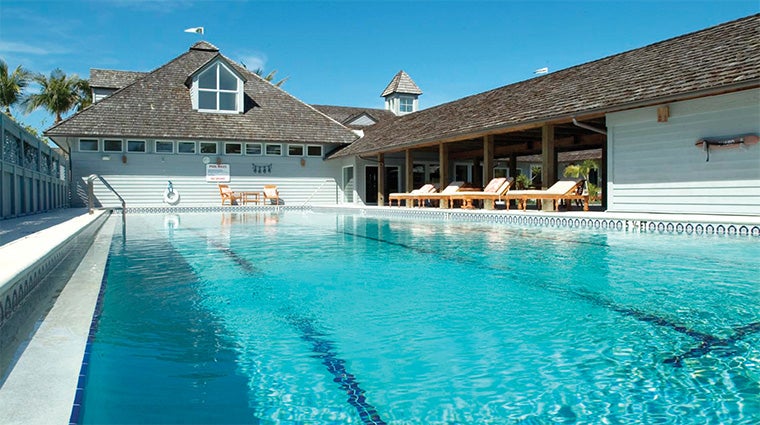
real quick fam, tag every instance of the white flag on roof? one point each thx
(197, 30)
(540, 71)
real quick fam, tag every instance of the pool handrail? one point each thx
(91, 196)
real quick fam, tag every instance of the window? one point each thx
(233, 148)
(88, 145)
(164, 147)
(295, 150)
(208, 147)
(253, 149)
(136, 146)
(273, 150)
(406, 105)
(219, 90)
(186, 147)
(112, 145)
(314, 150)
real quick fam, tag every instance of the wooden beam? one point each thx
(380, 180)
(548, 156)
(487, 159)
(564, 144)
(408, 170)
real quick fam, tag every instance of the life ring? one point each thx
(171, 197)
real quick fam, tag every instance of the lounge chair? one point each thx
(410, 197)
(271, 194)
(442, 196)
(228, 195)
(561, 190)
(495, 190)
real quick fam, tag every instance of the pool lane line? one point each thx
(323, 347)
(708, 346)
(336, 366)
(232, 255)
(707, 341)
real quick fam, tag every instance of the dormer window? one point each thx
(218, 89)
(406, 105)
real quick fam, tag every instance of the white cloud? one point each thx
(14, 47)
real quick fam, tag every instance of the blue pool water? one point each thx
(309, 318)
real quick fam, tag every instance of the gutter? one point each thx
(589, 127)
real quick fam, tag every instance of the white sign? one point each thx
(218, 173)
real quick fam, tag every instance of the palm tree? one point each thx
(58, 93)
(583, 170)
(85, 94)
(269, 77)
(12, 85)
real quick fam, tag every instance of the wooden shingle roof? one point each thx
(401, 83)
(710, 61)
(346, 114)
(158, 105)
(113, 79)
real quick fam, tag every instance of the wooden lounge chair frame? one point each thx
(228, 195)
(495, 190)
(410, 197)
(562, 190)
(442, 196)
(271, 194)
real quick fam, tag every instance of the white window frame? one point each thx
(239, 144)
(405, 102)
(97, 145)
(268, 145)
(238, 91)
(121, 145)
(296, 147)
(204, 144)
(187, 142)
(155, 146)
(261, 149)
(144, 146)
(320, 147)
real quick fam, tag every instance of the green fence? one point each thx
(32, 174)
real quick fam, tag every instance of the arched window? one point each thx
(219, 90)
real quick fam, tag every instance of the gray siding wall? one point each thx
(655, 167)
(142, 179)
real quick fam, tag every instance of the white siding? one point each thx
(655, 167)
(142, 179)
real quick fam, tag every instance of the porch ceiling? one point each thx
(568, 138)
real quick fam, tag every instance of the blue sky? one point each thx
(346, 52)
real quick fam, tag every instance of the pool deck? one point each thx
(41, 386)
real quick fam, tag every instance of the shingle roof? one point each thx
(113, 79)
(158, 105)
(346, 114)
(401, 83)
(721, 58)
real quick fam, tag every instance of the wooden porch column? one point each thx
(443, 161)
(408, 173)
(487, 159)
(548, 157)
(380, 180)
(603, 176)
(513, 167)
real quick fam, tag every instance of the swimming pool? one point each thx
(315, 318)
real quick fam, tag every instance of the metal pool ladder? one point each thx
(91, 196)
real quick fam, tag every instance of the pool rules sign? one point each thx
(218, 173)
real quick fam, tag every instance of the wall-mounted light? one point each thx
(106, 157)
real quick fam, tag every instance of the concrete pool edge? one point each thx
(48, 369)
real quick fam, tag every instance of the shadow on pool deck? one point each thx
(13, 229)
